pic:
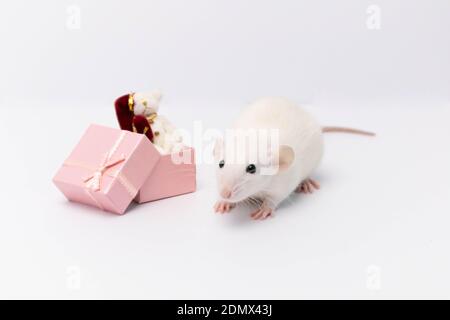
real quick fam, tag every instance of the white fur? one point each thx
(152, 101)
(297, 130)
(167, 140)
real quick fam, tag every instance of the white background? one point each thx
(378, 228)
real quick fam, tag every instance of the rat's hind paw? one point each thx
(308, 186)
(223, 206)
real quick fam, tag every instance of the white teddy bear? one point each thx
(166, 138)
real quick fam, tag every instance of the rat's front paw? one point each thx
(308, 186)
(223, 206)
(262, 213)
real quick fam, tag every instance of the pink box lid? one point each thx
(107, 168)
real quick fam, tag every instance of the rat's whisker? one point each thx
(254, 201)
(240, 184)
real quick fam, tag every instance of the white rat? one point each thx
(300, 149)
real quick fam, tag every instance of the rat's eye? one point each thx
(221, 164)
(251, 168)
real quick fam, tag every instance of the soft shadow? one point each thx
(240, 216)
(87, 209)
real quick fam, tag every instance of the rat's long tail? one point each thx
(347, 130)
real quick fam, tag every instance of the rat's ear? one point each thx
(286, 157)
(218, 149)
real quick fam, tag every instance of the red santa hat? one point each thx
(128, 120)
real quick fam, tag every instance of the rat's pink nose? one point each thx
(225, 193)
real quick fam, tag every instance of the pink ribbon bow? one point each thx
(94, 181)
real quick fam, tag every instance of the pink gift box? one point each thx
(173, 175)
(109, 168)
